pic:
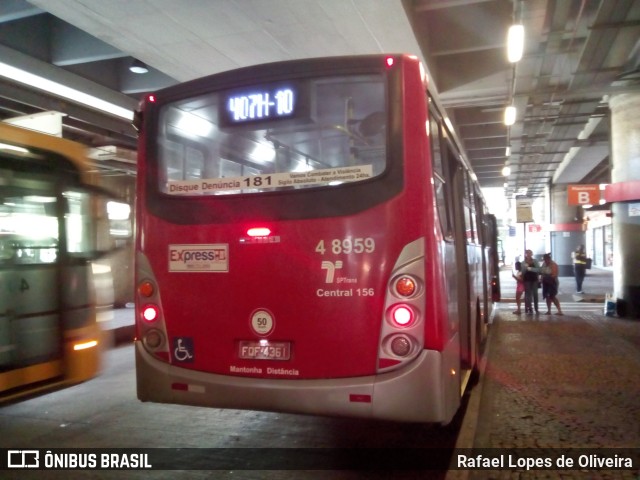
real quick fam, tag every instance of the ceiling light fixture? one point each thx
(506, 171)
(515, 43)
(138, 67)
(510, 115)
(55, 88)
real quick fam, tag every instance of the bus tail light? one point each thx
(401, 346)
(406, 286)
(150, 313)
(153, 339)
(402, 315)
(146, 288)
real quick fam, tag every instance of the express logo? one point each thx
(199, 258)
(189, 255)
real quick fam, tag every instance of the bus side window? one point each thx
(440, 184)
(468, 208)
(480, 219)
(78, 222)
(28, 228)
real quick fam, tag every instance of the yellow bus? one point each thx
(53, 225)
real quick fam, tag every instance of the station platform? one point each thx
(553, 383)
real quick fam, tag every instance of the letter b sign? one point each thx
(583, 195)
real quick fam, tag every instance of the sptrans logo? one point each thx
(199, 258)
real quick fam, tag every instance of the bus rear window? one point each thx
(272, 137)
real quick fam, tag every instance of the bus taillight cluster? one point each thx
(406, 287)
(403, 316)
(150, 313)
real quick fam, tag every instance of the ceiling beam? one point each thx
(70, 46)
(11, 10)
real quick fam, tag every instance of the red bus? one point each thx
(310, 239)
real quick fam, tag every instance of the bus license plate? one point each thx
(250, 350)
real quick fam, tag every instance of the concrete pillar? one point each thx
(566, 229)
(624, 193)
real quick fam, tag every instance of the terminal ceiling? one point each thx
(577, 53)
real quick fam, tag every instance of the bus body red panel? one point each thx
(334, 309)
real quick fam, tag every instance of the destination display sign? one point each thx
(269, 102)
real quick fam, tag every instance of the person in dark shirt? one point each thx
(530, 272)
(550, 283)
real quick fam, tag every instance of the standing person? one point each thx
(517, 275)
(550, 283)
(530, 272)
(579, 267)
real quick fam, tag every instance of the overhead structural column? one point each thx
(624, 194)
(566, 228)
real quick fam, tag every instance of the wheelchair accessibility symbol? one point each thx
(183, 349)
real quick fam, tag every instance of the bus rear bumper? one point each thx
(424, 391)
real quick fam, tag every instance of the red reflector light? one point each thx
(359, 398)
(146, 288)
(389, 61)
(402, 315)
(151, 98)
(150, 313)
(259, 232)
(188, 387)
